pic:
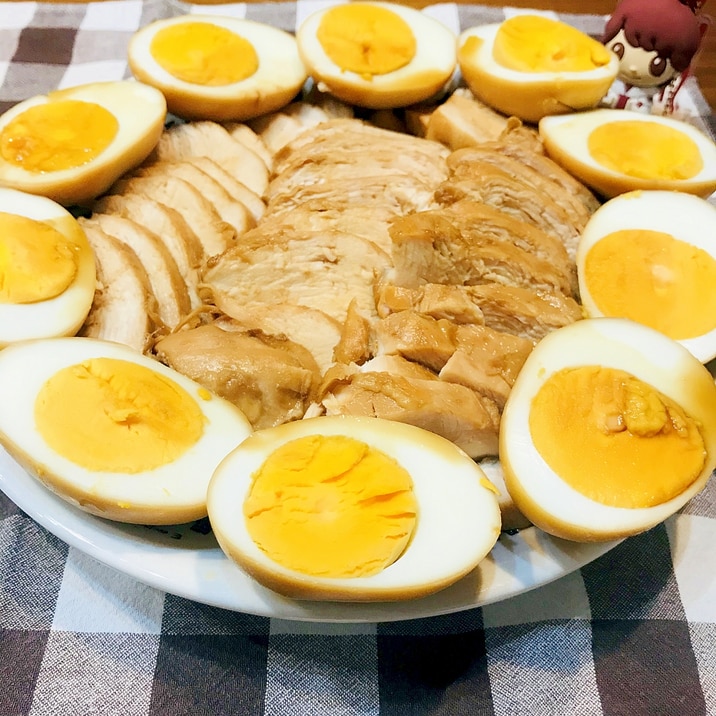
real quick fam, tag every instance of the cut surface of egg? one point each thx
(377, 55)
(217, 68)
(352, 509)
(47, 269)
(531, 66)
(112, 431)
(650, 256)
(72, 144)
(615, 151)
(609, 429)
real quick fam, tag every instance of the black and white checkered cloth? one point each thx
(631, 634)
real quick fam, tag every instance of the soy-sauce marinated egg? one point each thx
(47, 269)
(614, 151)
(650, 256)
(72, 144)
(377, 55)
(531, 66)
(609, 429)
(217, 68)
(112, 431)
(352, 509)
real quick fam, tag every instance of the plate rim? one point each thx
(518, 563)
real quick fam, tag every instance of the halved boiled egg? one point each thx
(112, 431)
(352, 509)
(217, 68)
(609, 429)
(71, 145)
(650, 256)
(531, 66)
(377, 55)
(47, 269)
(614, 151)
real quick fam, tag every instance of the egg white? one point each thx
(458, 519)
(542, 496)
(140, 111)
(63, 314)
(685, 217)
(425, 75)
(566, 139)
(528, 95)
(279, 77)
(170, 494)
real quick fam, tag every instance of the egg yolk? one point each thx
(37, 262)
(532, 43)
(57, 135)
(331, 506)
(110, 415)
(646, 150)
(655, 279)
(469, 48)
(366, 39)
(204, 54)
(614, 438)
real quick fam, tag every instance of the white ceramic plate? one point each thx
(187, 561)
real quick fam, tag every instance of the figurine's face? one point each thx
(638, 67)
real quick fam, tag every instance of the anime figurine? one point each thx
(655, 40)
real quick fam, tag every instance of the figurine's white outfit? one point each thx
(649, 100)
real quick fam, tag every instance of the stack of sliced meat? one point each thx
(328, 265)
(155, 230)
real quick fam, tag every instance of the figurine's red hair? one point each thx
(669, 27)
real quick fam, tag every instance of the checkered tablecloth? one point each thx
(632, 633)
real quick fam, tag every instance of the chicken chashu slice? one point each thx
(397, 193)
(324, 270)
(576, 211)
(535, 158)
(486, 183)
(487, 361)
(475, 219)
(238, 191)
(327, 166)
(241, 132)
(337, 126)
(124, 309)
(520, 311)
(448, 409)
(368, 221)
(210, 139)
(428, 248)
(397, 365)
(333, 107)
(277, 129)
(214, 234)
(479, 357)
(166, 283)
(169, 226)
(357, 342)
(349, 135)
(231, 210)
(313, 329)
(416, 337)
(270, 378)
(460, 121)
(386, 148)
